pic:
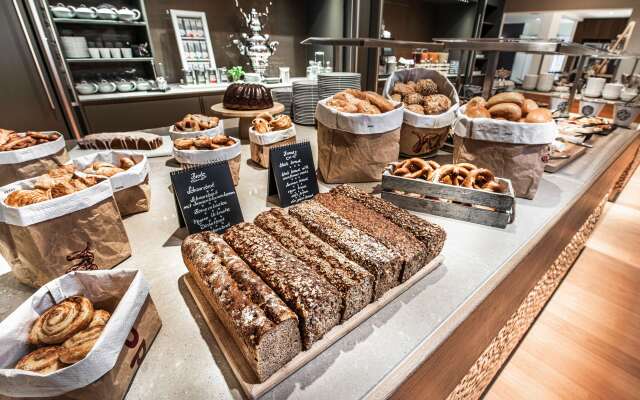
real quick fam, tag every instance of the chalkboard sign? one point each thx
(292, 175)
(206, 198)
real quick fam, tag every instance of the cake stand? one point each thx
(245, 116)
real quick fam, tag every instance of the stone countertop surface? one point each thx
(185, 361)
(175, 91)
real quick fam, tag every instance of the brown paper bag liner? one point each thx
(115, 384)
(416, 141)
(523, 164)
(347, 157)
(42, 248)
(135, 199)
(234, 166)
(10, 173)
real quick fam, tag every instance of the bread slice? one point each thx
(353, 282)
(383, 263)
(314, 300)
(260, 323)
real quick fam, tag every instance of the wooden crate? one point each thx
(466, 204)
(239, 366)
(260, 153)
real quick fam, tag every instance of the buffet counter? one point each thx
(416, 335)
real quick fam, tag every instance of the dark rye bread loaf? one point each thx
(353, 282)
(412, 251)
(431, 235)
(383, 263)
(314, 300)
(261, 324)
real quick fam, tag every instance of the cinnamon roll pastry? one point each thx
(79, 345)
(62, 321)
(100, 318)
(45, 360)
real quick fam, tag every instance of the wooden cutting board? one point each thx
(241, 369)
(574, 151)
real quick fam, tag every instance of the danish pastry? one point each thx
(100, 318)
(80, 344)
(45, 360)
(280, 122)
(62, 321)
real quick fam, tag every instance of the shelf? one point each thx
(539, 46)
(98, 22)
(100, 60)
(369, 43)
(197, 59)
(201, 39)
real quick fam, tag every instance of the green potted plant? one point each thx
(235, 74)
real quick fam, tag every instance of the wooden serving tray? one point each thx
(493, 209)
(241, 369)
(573, 151)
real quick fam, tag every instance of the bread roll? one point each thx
(528, 106)
(477, 102)
(506, 97)
(508, 111)
(539, 115)
(477, 112)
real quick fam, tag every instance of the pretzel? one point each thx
(494, 186)
(451, 174)
(416, 168)
(478, 178)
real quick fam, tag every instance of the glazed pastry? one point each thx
(426, 87)
(436, 104)
(508, 111)
(62, 321)
(44, 360)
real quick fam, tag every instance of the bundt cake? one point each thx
(247, 96)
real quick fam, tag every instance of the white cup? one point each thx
(612, 91)
(591, 108)
(558, 103)
(545, 83)
(625, 114)
(126, 52)
(94, 52)
(530, 81)
(104, 52)
(594, 87)
(628, 94)
(115, 52)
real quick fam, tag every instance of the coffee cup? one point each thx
(115, 52)
(594, 87)
(104, 52)
(591, 108)
(612, 91)
(126, 52)
(94, 52)
(545, 83)
(625, 114)
(530, 81)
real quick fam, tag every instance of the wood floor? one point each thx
(586, 342)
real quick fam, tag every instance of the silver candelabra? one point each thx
(256, 45)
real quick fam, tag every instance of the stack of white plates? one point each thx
(305, 99)
(334, 82)
(284, 96)
(74, 46)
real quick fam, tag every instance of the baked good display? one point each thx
(383, 263)
(262, 325)
(353, 282)
(509, 106)
(107, 169)
(56, 183)
(204, 143)
(359, 102)
(470, 176)
(415, 168)
(67, 332)
(121, 141)
(421, 97)
(196, 123)
(265, 122)
(431, 235)
(12, 140)
(247, 96)
(315, 301)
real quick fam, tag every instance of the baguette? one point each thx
(263, 327)
(314, 300)
(431, 235)
(383, 263)
(353, 282)
(412, 251)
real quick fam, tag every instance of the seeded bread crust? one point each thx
(261, 324)
(383, 263)
(412, 251)
(431, 235)
(353, 282)
(314, 300)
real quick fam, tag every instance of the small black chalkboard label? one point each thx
(292, 175)
(206, 198)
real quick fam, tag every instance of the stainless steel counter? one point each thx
(185, 362)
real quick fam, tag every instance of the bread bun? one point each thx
(506, 97)
(477, 112)
(528, 106)
(477, 102)
(508, 111)
(539, 115)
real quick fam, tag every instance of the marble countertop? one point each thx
(175, 91)
(185, 361)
